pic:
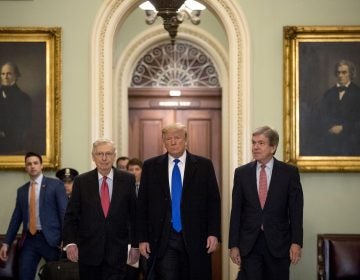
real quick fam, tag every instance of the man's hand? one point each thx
(3, 252)
(72, 252)
(211, 244)
(336, 129)
(295, 253)
(144, 248)
(235, 256)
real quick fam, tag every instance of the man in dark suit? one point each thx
(178, 228)
(100, 212)
(339, 115)
(15, 112)
(266, 224)
(40, 207)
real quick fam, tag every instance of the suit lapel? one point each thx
(42, 192)
(274, 179)
(163, 169)
(190, 168)
(253, 184)
(26, 203)
(94, 190)
(117, 183)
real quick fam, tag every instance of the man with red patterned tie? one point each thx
(100, 213)
(266, 223)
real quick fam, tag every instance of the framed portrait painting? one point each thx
(322, 98)
(30, 95)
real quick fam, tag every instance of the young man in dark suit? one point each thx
(266, 224)
(178, 221)
(40, 207)
(99, 214)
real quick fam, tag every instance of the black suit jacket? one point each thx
(97, 237)
(343, 112)
(15, 120)
(282, 216)
(200, 209)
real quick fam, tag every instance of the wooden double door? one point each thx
(200, 110)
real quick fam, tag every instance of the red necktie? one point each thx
(105, 198)
(32, 209)
(262, 186)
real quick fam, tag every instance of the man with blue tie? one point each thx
(40, 207)
(178, 217)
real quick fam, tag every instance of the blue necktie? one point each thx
(176, 188)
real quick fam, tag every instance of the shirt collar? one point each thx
(39, 179)
(347, 85)
(182, 158)
(269, 164)
(110, 175)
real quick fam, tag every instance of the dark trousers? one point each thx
(174, 265)
(34, 248)
(104, 271)
(132, 273)
(260, 264)
(136, 273)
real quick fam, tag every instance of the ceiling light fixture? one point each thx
(173, 13)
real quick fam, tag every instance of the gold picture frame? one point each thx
(312, 57)
(30, 105)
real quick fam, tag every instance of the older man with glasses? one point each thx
(96, 224)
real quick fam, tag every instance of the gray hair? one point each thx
(14, 67)
(269, 133)
(103, 141)
(349, 64)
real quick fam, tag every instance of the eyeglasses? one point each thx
(101, 154)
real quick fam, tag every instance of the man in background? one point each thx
(178, 217)
(121, 163)
(40, 207)
(266, 223)
(134, 166)
(67, 175)
(15, 112)
(99, 217)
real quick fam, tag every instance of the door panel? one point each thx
(145, 132)
(204, 134)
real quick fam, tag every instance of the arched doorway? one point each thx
(109, 106)
(197, 104)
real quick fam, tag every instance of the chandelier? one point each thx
(173, 13)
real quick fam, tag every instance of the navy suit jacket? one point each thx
(52, 206)
(282, 216)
